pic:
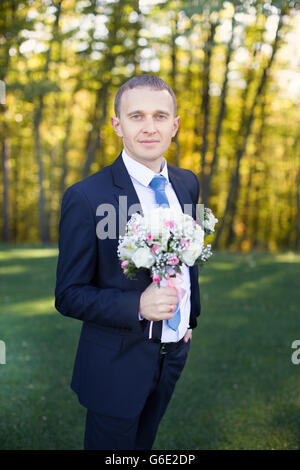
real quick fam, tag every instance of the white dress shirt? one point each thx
(141, 176)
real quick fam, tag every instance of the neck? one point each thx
(154, 165)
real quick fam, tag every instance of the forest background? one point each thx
(234, 67)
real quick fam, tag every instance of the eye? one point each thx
(161, 117)
(135, 117)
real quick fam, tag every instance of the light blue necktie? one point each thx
(158, 184)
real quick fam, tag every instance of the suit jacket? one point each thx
(115, 361)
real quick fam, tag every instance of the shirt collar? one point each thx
(140, 172)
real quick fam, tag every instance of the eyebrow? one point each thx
(138, 111)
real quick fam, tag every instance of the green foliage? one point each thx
(34, 89)
(63, 61)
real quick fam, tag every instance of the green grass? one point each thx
(239, 389)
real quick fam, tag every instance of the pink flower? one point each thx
(155, 248)
(156, 278)
(185, 243)
(124, 264)
(149, 237)
(169, 223)
(173, 260)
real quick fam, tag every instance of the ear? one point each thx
(176, 125)
(115, 122)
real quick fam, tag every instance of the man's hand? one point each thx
(158, 303)
(188, 335)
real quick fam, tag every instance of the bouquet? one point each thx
(162, 241)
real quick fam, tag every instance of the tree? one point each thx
(12, 20)
(232, 197)
(119, 48)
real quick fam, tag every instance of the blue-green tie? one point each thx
(158, 184)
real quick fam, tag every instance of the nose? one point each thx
(149, 125)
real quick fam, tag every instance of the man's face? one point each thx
(146, 123)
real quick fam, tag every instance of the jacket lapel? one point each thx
(125, 193)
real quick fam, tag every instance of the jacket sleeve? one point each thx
(76, 294)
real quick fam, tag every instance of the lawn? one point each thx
(239, 390)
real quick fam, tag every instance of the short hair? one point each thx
(143, 81)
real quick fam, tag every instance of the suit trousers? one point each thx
(138, 433)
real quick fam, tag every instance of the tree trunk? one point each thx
(231, 202)
(64, 154)
(250, 216)
(206, 107)
(5, 176)
(5, 142)
(221, 114)
(43, 224)
(93, 139)
(15, 222)
(37, 118)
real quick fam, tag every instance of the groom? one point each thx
(129, 358)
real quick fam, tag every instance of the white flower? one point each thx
(156, 223)
(127, 248)
(198, 233)
(210, 223)
(136, 218)
(176, 216)
(143, 258)
(190, 255)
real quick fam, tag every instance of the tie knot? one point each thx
(158, 183)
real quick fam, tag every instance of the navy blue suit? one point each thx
(115, 362)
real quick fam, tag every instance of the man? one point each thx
(129, 358)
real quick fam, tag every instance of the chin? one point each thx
(149, 154)
(151, 158)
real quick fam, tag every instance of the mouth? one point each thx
(148, 142)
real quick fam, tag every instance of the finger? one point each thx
(170, 299)
(167, 301)
(167, 308)
(170, 291)
(188, 336)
